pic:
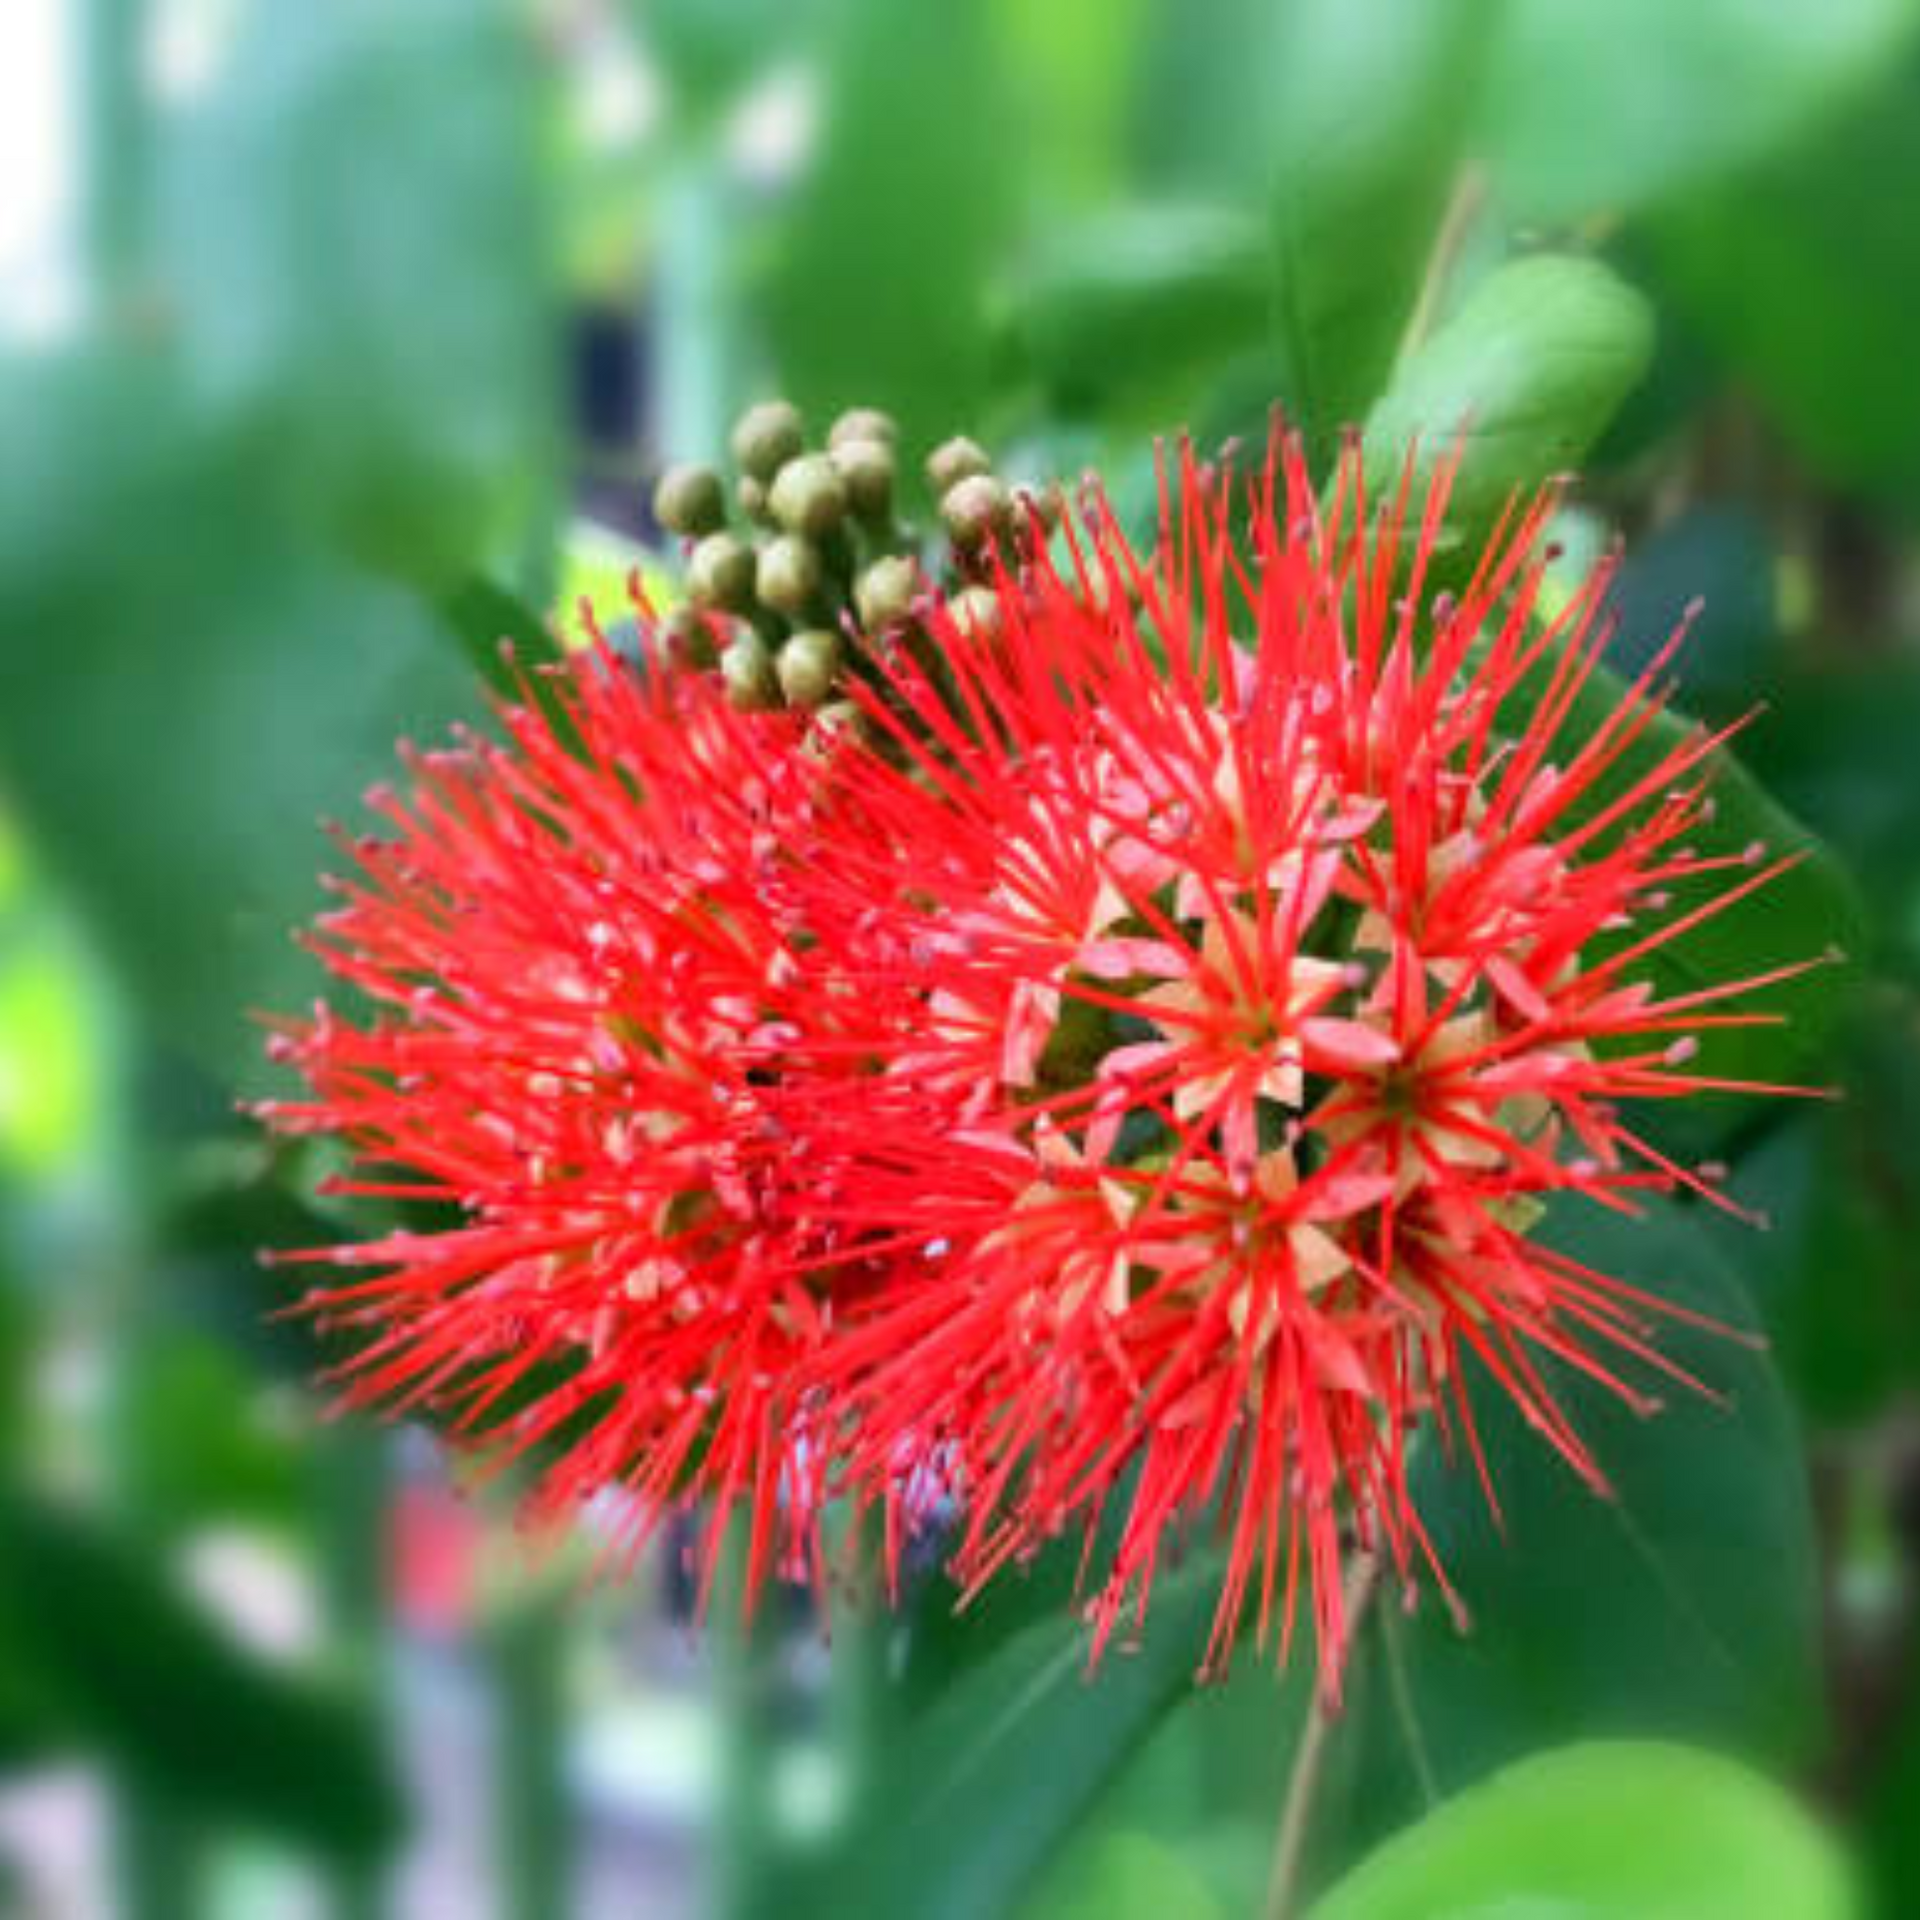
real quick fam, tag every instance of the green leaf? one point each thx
(1803, 272)
(193, 687)
(878, 294)
(1592, 108)
(989, 1777)
(1606, 1831)
(1369, 121)
(1685, 1607)
(95, 1648)
(1134, 306)
(358, 255)
(1526, 373)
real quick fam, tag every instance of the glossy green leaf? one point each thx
(879, 290)
(1526, 372)
(99, 1649)
(1685, 1607)
(990, 1775)
(1593, 108)
(1369, 117)
(1132, 307)
(1803, 272)
(1606, 1831)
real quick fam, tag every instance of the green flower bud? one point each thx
(747, 668)
(689, 501)
(840, 719)
(720, 574)
(808, 496)
(767, 437)
(752, 495)
(884, 594)
(956, 460)
(686, 639)
(977, 613)
(789, 574)
(808, 665)
(866, 471)
(863, 423)
(976, 510)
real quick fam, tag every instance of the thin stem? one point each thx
(1303, 1784)
(1401, 1693)
(1463, 205)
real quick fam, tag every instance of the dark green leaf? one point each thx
(103, 1651)
(1528, 371)
(1686, 1607)
(1606, 1831)
(1369, 113)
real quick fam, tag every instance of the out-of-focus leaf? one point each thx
(709, 51)
(1527, 372)
(1128, 1875)
(358, 249)
(1602, 108)
(1804, 271)
(1606, 1831)
(1219, 52)
(106, 1653)
(879, 288)
(1133, 306)
(1369, 114)
(1686, 1607)
(989, 1777)
(187, 688)
(1073, 63)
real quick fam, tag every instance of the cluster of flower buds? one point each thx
(816, 569)
(1125, 1081)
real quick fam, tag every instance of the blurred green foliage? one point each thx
(309, 451)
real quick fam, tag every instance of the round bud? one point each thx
(789, 574)
(686, 639)
(977, 613)
(866, 471)
(752, 495)
(808, 497)
(956, 460)
(1047, 502)
(976, 510)
(767, 437)
(863, 423)
(720, 574)
(884, 594)
(689, 501)
(747, 668)
(840, 719)
(808, 665)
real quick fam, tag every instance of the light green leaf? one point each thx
(1593, 108)
(1526, 373)
(1606, 1831)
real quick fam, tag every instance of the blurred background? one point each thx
(338, 340)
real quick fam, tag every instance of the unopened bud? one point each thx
(767, 437)
(976, 510)
(977, 613)
(752, 495)
(866, 471)
(808, 496)
(689, 501)
(747, 669)
(863, 423)
(884, 594)
(789, 574)
(956, 460)
(720, 573)
(808, 665)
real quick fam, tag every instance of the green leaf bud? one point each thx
(789, 574)
(767, 437)
(808, 496)
(808, 665)
(689, 501)
(747, 669)
(720, 574)
(956, 460)
(884, 594)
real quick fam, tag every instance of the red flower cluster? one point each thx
(1122, 1084)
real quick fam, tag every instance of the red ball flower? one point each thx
(580, 982)
(1284, 951)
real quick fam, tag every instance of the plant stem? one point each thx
(1463, 204)
(1303, 1784)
